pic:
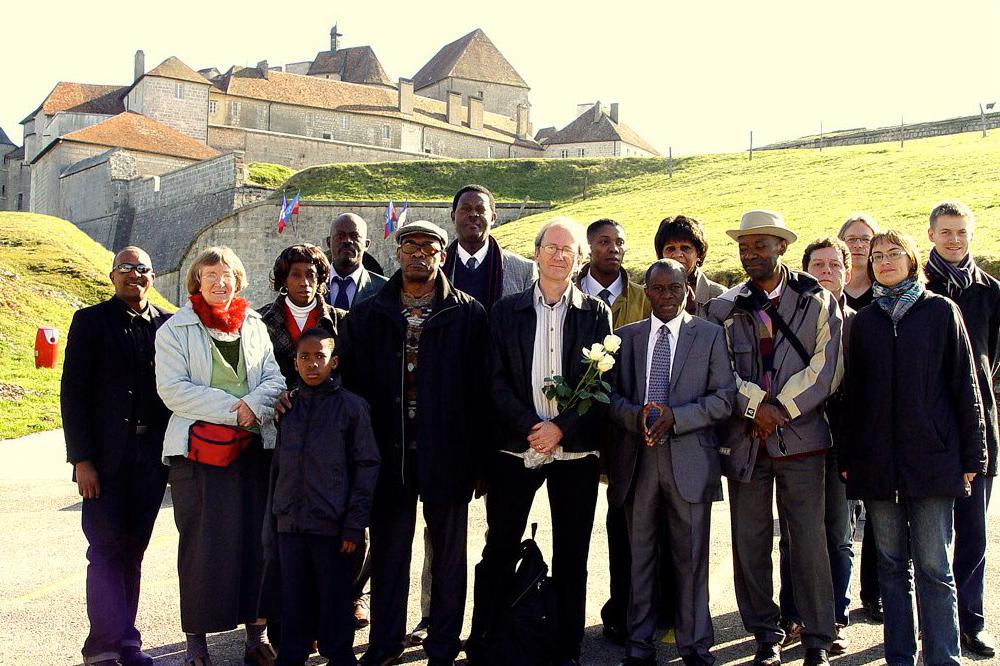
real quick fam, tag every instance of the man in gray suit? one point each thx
(672, 384)
(476, 263)
(350, 282)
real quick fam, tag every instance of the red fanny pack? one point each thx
(216, 444)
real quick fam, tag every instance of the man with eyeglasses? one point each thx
(534, 335)
(414, 351)
(784, 336)
(113, 422)
(857, 231)
(952, 271)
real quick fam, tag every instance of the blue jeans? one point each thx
(969, 562)
(921, 529)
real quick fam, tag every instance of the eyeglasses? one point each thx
(854, 240)
(125, 267)
(891, 255)
(428, 249)
(552, 249)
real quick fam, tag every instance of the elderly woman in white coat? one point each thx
(216, 371)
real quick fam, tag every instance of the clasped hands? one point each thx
(653, 434)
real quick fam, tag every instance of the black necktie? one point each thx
(605, 295)
(472, 263)
(342, 301)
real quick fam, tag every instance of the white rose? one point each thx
(612, 343)
(594, 353)
(606, 363)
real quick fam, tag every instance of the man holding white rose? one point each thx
(546, 432)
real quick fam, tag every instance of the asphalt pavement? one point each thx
(42, 557)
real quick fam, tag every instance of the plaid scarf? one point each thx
(955, 278)
(897, 301)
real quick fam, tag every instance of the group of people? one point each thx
(299, 440)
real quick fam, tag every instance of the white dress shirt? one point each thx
(594, 288)
(480, 255)
(352, 288)
(673, 330)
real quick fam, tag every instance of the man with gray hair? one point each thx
(535, 335)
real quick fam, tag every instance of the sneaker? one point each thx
(361, 612)
(793, 632)
(419, 633)
(840, 643)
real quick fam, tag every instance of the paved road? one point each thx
(43, 615)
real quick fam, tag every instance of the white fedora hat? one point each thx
(763, 222)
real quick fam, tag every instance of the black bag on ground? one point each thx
(523, 633)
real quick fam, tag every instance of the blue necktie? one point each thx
(605, 295)
(659, 374)
(472, 263)
(342, 301)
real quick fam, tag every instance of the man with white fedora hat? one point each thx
(784, 335)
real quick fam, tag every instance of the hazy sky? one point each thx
(697, 76)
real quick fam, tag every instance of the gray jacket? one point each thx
(184, 378)
(814, 317)
(518, 273)
(702, 393)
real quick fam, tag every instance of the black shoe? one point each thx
(638, 661)
(371, 658)
(815, 657)
(440, 662)
(980, 643)
(614, 633)
(768, 654)
(573, 661)
(695, 660)
(134, 656)
(873, 609)
(793, 632)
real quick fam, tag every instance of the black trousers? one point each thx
(315, 576)
(393, 519)
(572, 490)
(118, 525)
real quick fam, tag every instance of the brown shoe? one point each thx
(262, 655)
(793, 632)
(361, 612)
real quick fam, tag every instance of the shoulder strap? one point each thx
(786, 330)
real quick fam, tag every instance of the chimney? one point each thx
(333, 38)
(406, 96)
(475, 112)
(614, 113)
(262, 68)
(454, 108)
(140, 65)
(597, 111)
(523, 126)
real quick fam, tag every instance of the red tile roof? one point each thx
(133, 131)
(82, 98)
(470, 57)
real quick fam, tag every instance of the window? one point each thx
(386, 132)
(213, 107)
(564, 152)
(261, 117)
(3, 190)
(179, 90)
(345, 122)
(20, 201)
(581, 152)
(489, 152)
(234, 113)
(327, 135)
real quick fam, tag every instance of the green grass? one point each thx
(556, 180)
(48, 270)
(268, 175)
(814, 191)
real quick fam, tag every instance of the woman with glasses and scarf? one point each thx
(918, 441)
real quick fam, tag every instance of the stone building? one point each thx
(6, 148)
(596, 132)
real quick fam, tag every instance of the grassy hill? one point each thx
(814, 190)
(48, 270)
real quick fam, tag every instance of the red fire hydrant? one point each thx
(46, 347)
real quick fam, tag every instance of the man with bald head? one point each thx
(350, 282)
(113, 421)
(672, 385)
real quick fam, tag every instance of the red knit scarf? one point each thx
(228, 321)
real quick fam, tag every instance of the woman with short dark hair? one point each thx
(682, 238)
(299, 277)
(917, 440)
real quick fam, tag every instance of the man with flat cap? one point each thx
(414, 351)
(784, 336)
(350, 282)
